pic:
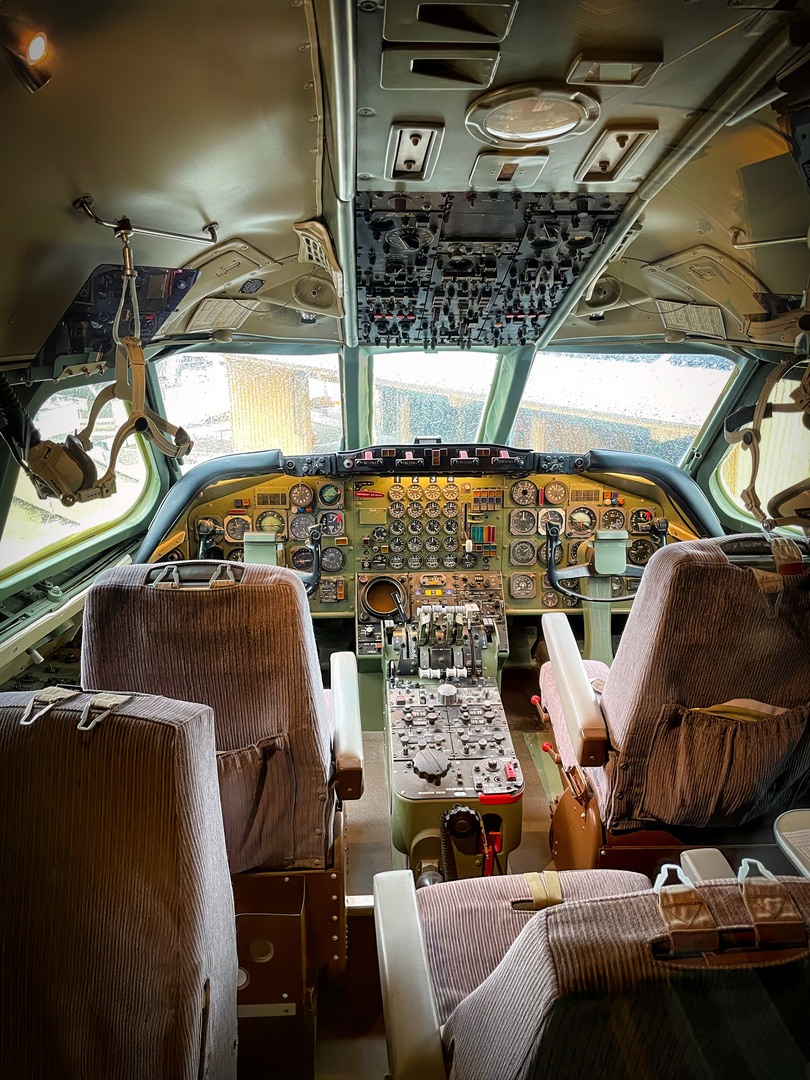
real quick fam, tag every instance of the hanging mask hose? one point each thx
(65, 470)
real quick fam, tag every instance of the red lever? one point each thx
(547, 747)
(535, 699)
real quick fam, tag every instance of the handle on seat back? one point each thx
(348, 736)
(583, 716)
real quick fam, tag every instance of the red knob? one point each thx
(536, 699)
(547, 747)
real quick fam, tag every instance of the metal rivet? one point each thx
(334, 918)
(309, 85)
(314, 150)
(364, 176)
(285, 996)
(314, 118)
(333, 876)
(335, 957)
(334, 898)
(335, 937)
(366, 112)
(304, 47)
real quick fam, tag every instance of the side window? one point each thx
(34, 524)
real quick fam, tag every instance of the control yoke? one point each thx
(312, 577)
(658, 533)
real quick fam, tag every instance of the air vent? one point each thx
(315, 246)
(431, 67)
(457, 22)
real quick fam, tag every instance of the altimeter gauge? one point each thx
(522, 522)
(236, 527)
(614, 519)
(522, 586)
(522, 552)
(641, 551)
(300, 524)
(524, 493)
(333, 559)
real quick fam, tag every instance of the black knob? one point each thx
(431, 764)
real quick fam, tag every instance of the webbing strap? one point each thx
(545, 890)
(690, 924)
(771, 908)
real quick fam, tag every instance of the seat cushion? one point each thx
(469, 925)
(550, 696)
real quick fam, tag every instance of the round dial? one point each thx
(396, 562)
(522, 586)
(397, 509)
(414, 561)
(414, 493)
(433, 491)
(302, 559)
(214, 532)
(301, 495)
(450, 561)
(416, 509)
(396, 493)
(569, 601)
(641, 551)
(451, 527)
(333, 559)
(524, 493)
(379, 562)
(522, 552)
(616, 585)
(396, 528)
(433, 527)
(415, 527)
(332, 523)
(522, 522)
(432, 562)
(556, 492)
(300, 526)
(236, 554)
(641, 520)
(468, 560)
(572, 552)
(451, 491)
(450, 509)
(433, 509)
(450, 543)
(236, 527)
(581, 520)
(414, 543)
(397, 543)
(329, 495)
(551, 598)
(432, 543)
(614, 519)
(554, 517)
(271, 521)
(379, 533)
(542, 558)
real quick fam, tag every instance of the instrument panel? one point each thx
(404, 524)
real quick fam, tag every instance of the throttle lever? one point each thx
(659, 530)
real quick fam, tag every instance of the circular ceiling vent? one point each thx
(519, 117)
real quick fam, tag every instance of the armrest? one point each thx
(348, 737)
(583, 717)
(409, 1006)
(706, 864)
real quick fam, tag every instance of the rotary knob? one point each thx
(431, 764)
(447, 693)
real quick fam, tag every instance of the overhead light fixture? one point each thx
(26, 50)
(524, 116)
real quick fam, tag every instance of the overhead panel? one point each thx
(479, 23)
(436, 67)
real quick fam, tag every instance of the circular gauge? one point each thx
(450, 509)
(236, 554)
(302, 559)
(301, 495)
(572, 552)
(329, 495)
(333, 559)
(432, 543)
(616, 586)
(569, 583)
(271, 521)
(300, 525)
(522, 552)
(236, 527)
(397, 543)
(416, 509)
(468, 560)
(414, 493)
(614, 519)
(396, 493)
(214, 524)
(524, 493)
(556, 492)
(450, 562)
(451, 491)
(433, 527)
(542, 558)
(379, 562)
(379, 533)
(432, 562)
(332, 523)
(397, 509)
(396, 562)
(396, 528)
(522, 586)
(641, 521)
(549, 517)
(414, 543)
(569, 601)
(415, 527)
(581, 520)
(451, 528)
(641, 551)
(522, 522)
(450, 543)
(433, 491)
(551, 598)
(433, 509)
(414, 561)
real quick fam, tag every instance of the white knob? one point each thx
(447, 693)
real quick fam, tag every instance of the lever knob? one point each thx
(431, 764)
(447, 693)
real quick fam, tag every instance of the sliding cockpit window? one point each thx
(652, 403)
(232, 403)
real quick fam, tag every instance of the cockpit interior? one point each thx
(405, 540)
